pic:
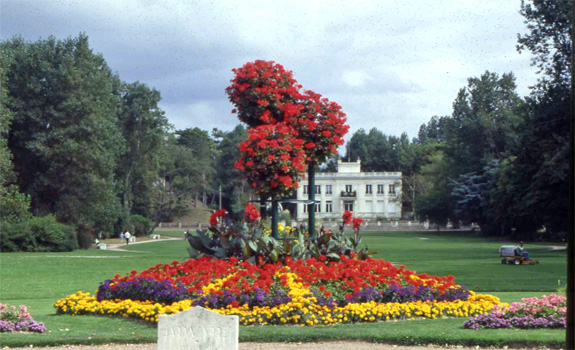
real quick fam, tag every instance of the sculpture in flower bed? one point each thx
(302, 292)
(18, 320)
(545, 312)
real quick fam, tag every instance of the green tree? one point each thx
(143, 125)
(14, 206)
(483, 125)
(171, 196)
(432, 131)
(541, 169)
(64, 135)
(201, 176)
(435, 201)
(235, 192)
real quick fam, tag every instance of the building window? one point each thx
(318, 208)
(348, 188)
(327, 189)
(391, 189)
(367, 189)
(379, 189)
(328, 207)
(304, 189)
(348, 206)
(305, 208)
(317, 189)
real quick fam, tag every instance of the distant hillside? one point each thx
(195, 215)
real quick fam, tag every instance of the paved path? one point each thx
(119, 247)
(341, 345)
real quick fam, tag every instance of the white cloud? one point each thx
(390, 64)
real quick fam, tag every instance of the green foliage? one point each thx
(14, 206)
(549, 39)
(37, 234)
(483, 125)
(252, 242)
(64, 135)
(241, 242)
(141, 225)
(235, 191)
(143, 126)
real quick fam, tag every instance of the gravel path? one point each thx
(343, 345)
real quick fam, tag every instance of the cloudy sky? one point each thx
(391, 64)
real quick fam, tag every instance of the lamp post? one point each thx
(311, 197)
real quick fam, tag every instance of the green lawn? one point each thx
(474, 261)
(39, 279)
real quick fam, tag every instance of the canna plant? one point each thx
(249, 241)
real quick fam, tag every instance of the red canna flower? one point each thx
(357, 223)
(347, 216)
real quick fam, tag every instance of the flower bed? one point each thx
(546, 312)
(19, 320)
(304, 292)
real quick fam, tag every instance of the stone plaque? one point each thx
(198, 329)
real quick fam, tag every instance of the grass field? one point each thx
(39, 279)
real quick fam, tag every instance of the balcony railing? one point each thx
(351, 194)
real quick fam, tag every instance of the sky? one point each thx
(390, 64)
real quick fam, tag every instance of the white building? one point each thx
(367, 195)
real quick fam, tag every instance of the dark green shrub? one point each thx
(85, 239)
(16, 236)
(14, 206)
(50, 235)
(142, 225)
(37, 234)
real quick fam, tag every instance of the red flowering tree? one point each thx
(321, 125)
(264, 93)
(272, 160)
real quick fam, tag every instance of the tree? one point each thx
(143, 127)
(540, 170)
(436, 203)
(14, 206)
(272, 160)
(203, 151)
(235, 191)
(550, 41)
(434, 130)
(171, 195)
(266, 94)
(64, 135)
(483, 125)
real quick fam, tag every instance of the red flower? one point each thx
(251, 213)
(347, 216)
(357, 222)
(216, 215)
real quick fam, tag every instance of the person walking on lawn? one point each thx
(127, 236)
